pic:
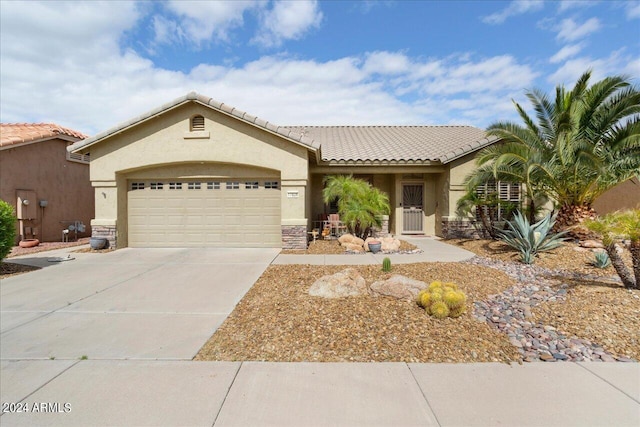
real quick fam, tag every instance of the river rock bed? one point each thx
(510, 313)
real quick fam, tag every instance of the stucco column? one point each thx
(106, 201)
(293, 210)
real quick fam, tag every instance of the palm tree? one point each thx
(359, 204)
(579, 146)
(618, 226)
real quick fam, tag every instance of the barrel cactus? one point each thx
(386, 265)
(442, 300)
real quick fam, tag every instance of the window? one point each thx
(251, 185)
(271, 184)
(213, 185)
(175, 186)
(156, 185)
(233, 185)
(137, 185)
(194, 185)
(502, 198)
(197, 123)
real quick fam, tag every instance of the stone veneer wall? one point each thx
(383, 231)
(456, 228)
(105, 231)
(294, 237)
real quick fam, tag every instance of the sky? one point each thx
(91, 65)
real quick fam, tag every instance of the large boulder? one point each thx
(390, 244)
(345, 283)
(346, 238)
(398, 286)
(353, 247)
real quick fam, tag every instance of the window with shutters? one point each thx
(501, 198)
(197, 123)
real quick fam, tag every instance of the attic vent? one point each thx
(197, 123)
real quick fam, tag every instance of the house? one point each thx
(625, 195)
(197, 172)
(48, 186)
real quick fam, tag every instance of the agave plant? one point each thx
(531, 239)
(601, 260)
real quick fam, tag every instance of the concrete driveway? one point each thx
(127, 304)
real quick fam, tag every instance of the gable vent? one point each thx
(197, 123)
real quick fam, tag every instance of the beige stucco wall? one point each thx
(459, 169)
(226, 147)
(623, 196)
(44, 168)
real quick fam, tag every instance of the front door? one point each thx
(412, 208)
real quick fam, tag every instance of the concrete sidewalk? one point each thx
(184, 393)
(433, 250)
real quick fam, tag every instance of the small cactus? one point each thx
(442, 300)
(386, 265)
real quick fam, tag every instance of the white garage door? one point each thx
(233, 213)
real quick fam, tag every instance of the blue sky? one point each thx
(92, 65)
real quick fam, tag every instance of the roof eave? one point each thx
(220, 107)
(468, 149)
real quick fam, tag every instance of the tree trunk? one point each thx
(488, 226)
(570, 218)
(532, 211)
(627, 279)
(635, 259)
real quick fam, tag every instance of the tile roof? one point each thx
(20, 133)
(285, 132)
(342, 144)
(394, 144)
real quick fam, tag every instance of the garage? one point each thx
(234, 212)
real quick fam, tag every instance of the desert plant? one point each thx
(442, 300)
(7, 229)
(531, 239)
(360, 205)
(616, 227)
(575, 147)
(386, 265)
(601, 260)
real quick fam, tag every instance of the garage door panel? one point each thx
(183, 217)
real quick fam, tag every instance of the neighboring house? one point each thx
(625, 195)
(48, 186)
(196, 172)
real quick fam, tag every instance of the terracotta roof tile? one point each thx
(20, 133)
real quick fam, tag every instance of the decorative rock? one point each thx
(389, 244)
(591, 244)
(346, 238)
(345, 283)
(353, 247)
(538, 342)
(398, 286)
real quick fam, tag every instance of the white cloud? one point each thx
(203, 21)
(288, 20)
(386, 63)
(632, 10)
(516, 7)
(565, 5)
(566, 52)
(569, 30)
(616, 63)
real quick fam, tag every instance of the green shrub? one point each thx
(601, 260)
(386, 265)
(7, 228)
(442, 300)
(531, 239)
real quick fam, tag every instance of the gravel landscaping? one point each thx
(560, 309)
